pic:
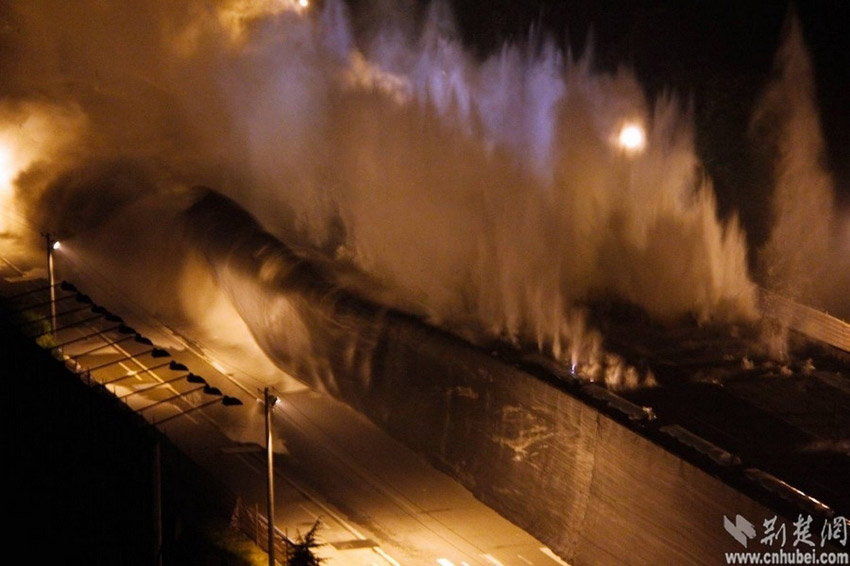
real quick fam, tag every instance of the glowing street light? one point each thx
(303, 3)
(632, 137)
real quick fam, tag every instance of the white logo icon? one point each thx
(741, 530)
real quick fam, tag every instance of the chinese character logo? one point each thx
(803, 531)
(741, 530)
(834, 530)
(772, 533)
(801, 534)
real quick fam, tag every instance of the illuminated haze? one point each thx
(490, 196)
(805, 256)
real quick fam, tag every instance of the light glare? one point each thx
(632, 137)
(6, 171)
(56, 245)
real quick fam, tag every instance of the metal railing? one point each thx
(253, 524)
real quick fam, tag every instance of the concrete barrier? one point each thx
(808, 321)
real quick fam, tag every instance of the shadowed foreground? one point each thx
(81, 479)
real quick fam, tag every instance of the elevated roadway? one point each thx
(379, 503)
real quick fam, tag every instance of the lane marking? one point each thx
(380, 552)
(545, 550)
(300, 419)
(315, 499)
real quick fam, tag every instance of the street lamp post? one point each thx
(270, 401)
(51, 246)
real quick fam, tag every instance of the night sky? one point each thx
(717, 54)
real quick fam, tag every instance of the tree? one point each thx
(302, 552)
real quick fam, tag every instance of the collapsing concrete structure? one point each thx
(593, 476)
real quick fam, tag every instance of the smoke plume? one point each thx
(805, 257)
(491, 197)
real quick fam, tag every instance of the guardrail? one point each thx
(255, 525)
(108, 336)
(808, 321)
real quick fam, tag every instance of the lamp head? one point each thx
(70, 287)
(192, 378)
(210, 390)
(159, 353)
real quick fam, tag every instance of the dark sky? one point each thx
(721, 54)
(717, 53)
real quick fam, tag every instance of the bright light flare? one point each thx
(30, 133)
(7, 170)
(236, 16)
(632, 137)
(56, 245)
